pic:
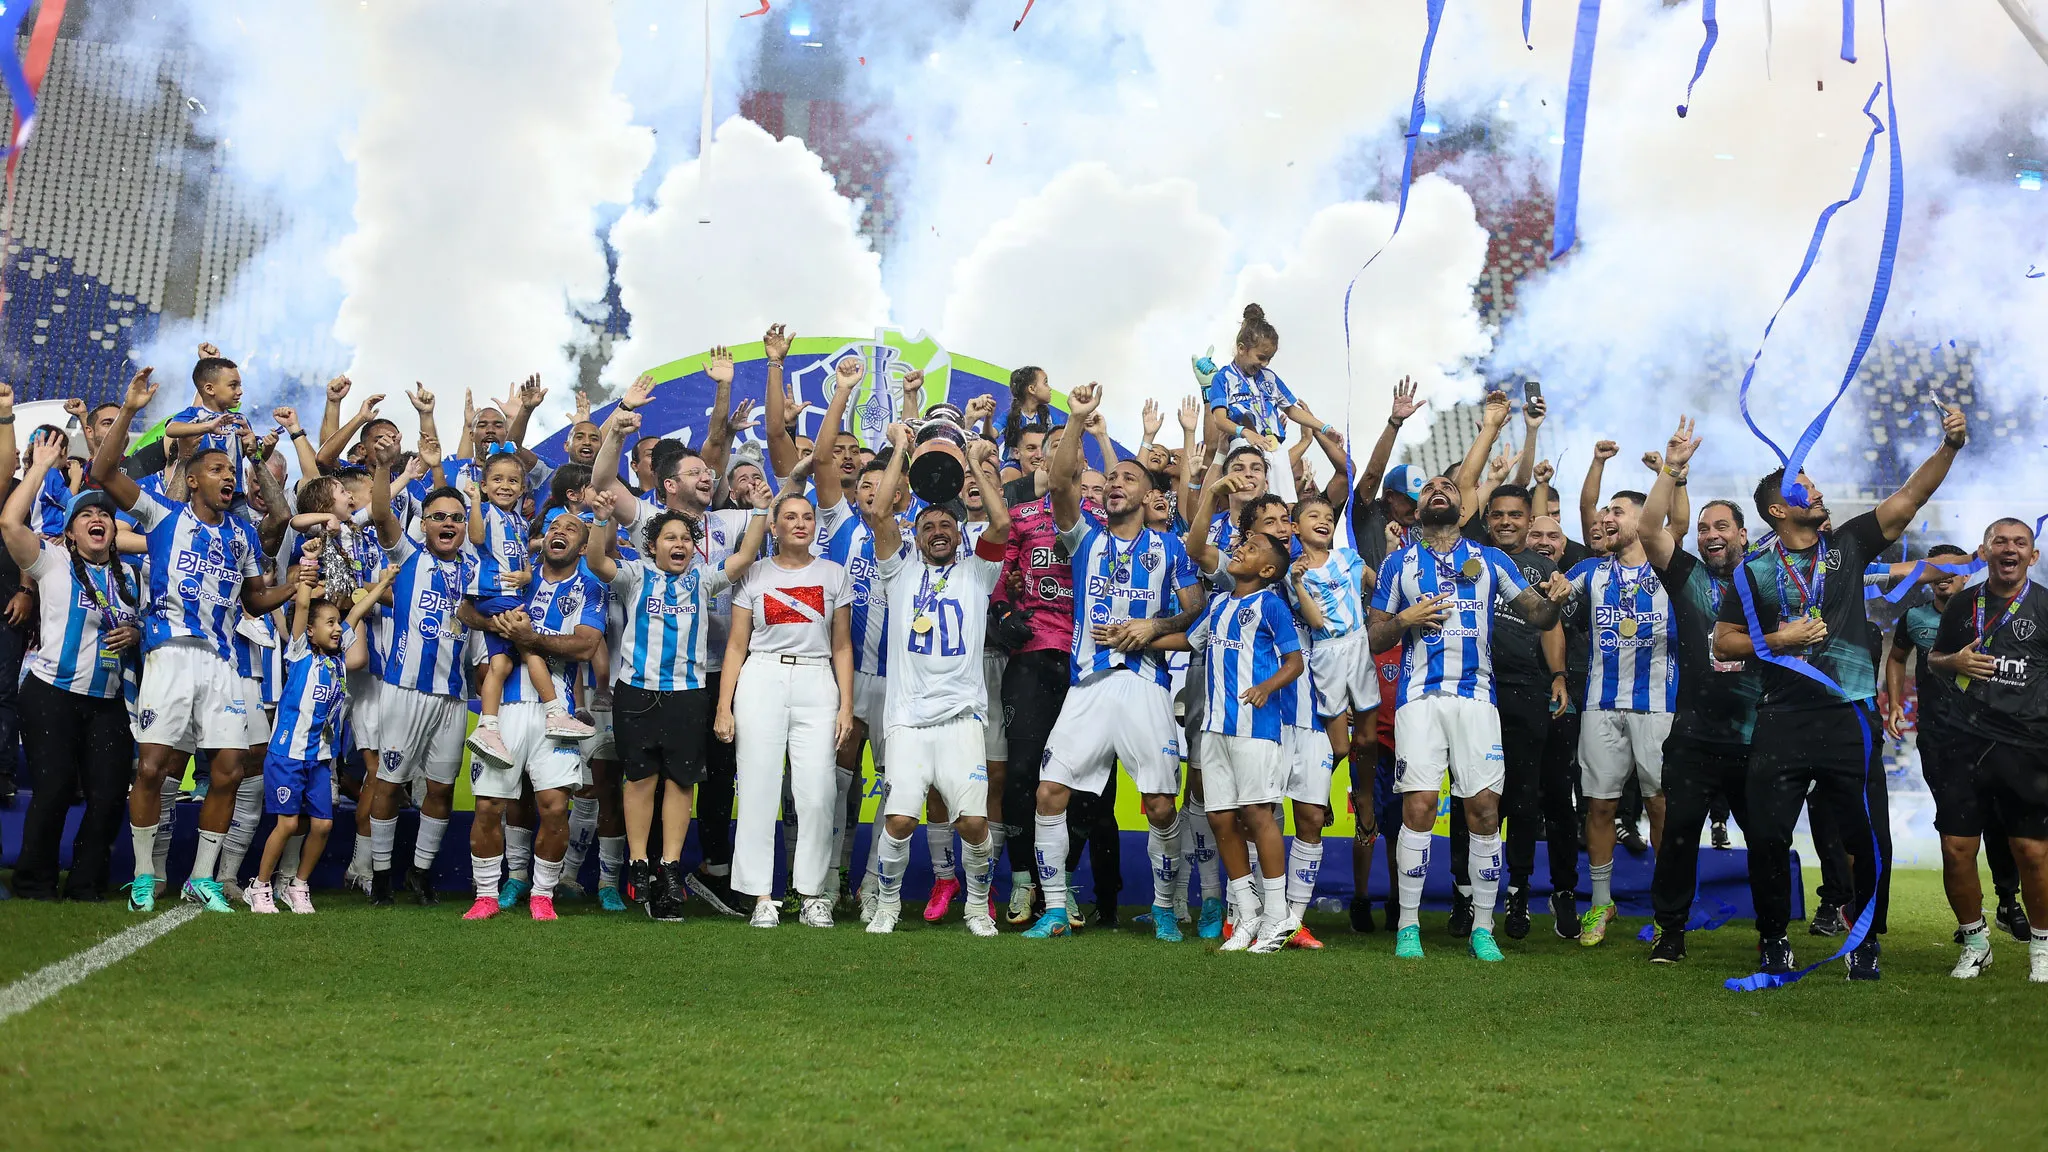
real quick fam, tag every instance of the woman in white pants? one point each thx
(787, 690)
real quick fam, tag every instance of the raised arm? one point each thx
(1190, 450)
(106, 462)
(598, 542)
(302, 447)
(1533, 412)
(881, 517)
(331, 447)
(277, 508)
(24, 544)
(981, 457)
(1900, 507)
(846, 376)
(1064, 471)
(423, 404)
(718, 432)
(1491, 420)
(1589, 493)
(381, 515)
(330, 418)
(778, 418)
(624, 420)
(10, 453)
(1405, 405)
(1215, 487)
(749, 548)
(1652, 529)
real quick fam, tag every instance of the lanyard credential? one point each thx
(1625, 620)
(1983, 635)
(1811, 591)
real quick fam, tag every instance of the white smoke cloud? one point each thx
(766, 238)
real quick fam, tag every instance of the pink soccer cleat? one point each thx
(941, 902)
(298, 896)
(542, 907)
(258, 897)
(484, 908)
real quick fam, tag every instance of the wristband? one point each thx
(751, 512)
(7, 419)
(298, 433)
(1557, 675)
(1327, 428)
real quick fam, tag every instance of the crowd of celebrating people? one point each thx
(730, 633)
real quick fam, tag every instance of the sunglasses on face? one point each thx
(446, 517)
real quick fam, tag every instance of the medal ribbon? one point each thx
(2011, 607)
(1612, 597)
(1810, 594)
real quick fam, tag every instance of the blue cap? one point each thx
(90, 498)
(1406, 479)
(586, 517)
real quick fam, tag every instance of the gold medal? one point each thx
(921, 625)
(1627, 627)
(1473, 568)
(360, 595)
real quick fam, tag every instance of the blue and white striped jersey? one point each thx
(1243, 641)
(1455, 659)
(426, 637)
(1119, 580)
(503, 550)
(845, 540)
(1256, 401)
(1338, 588)
(229, 442)
(69, 656)
(247, 658)
(666, 641)
(310, 708)
(1634, 637)
(557, 607)
(196, 572)
(719, 532)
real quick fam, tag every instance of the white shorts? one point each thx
(1117, 715)
(1343, 675)
(995, 738)
(256, 721)
(1309, 762)
(548, 763)
(365, 693)
(419, 730)
(1613, 744)
(600, 745)
(1238, 772)
(870, 707)
(1194, 701)
(1435, 734)
(192, 699)
(943, 756)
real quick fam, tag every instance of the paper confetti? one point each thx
(761, 11)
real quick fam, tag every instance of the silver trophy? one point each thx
(938, 454)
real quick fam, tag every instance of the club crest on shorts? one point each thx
(2022, 628)
(148, 717)
(391, 758)
(284, 794)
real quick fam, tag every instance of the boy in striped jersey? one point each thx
(1631, 692)
(1438, 597)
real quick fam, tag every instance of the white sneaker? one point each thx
(817, 912)
(981, 923)
(563, 726)
(260, 898)
(766, 915)
(2037, 964)
(1972, 962)
(882, 922)
(1020, 903)
(870, 902)
(298, 897)
(358, 880)
(1241, 936)
(1273, 936)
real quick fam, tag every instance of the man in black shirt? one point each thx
(1801, 600)
(1707, 754)
(1560, 771)
(1995, 642)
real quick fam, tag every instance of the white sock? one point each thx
(427, 844)
(582, 830)
(1273, 903)
(1304, 861)
(1411, 861)
(519, 853)
(288, 861)
(555, 707)
(1020, 882)
(2037, 941)
(998, 839)
(1244, 902)
(166, 830)
(611, 858)
(359, 854)
(242, 825)
(488, 720)
(484, 870)
(1483, 861)
(892, 859)
(977, 860)
(1976, 937)
(877, 832)
(1201, 848)
(383, 836)
(939, 839)
(208, 857)
(143, 840)
(1049, 848)
(1603, 883)
(546, 874)
(1162, 848)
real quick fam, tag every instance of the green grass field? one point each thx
(406, 1028)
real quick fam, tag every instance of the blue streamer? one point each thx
(1820, 230)
(1911, 580)
(1525, 24)
(1565, 227)
(1849, 30)
(11, 72)
(2033, 275)
(1706, 49)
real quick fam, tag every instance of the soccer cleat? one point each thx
(713, 891)
(1210, 926)
(1593, 925)
(1361, 915)
(1273, 936)
(380, 888)
(1243, 935)
(1721, 835)
(570, 888)
(2013, 919)
(512, 890)
(563, 726)
(1518, 922)
(815, 912)
(1863, 961)
(1304, 940)
(1670, 946)
(943, 892)
(2037, 964)
(356, 878)
(206, 894)
(486, 743)
(234, 892)
(664, 894)
(1050, 926)
(1827, 921)
(767, 914)
(1483, 946)
(1774, 957)
(882, 922)
(1105, 917)
(259, 899)
(1408, 943)
(1461, 915)
(1631, 837)
(609, 899)
(639, 881)
(983, 924)
(1076, 919)
(1164, 926)
(419, 884)
(1564, 914)
(142, 894)
(1973, 961)
(1020, 903)
(484, 908)
(298, 896)
(870, 902)
(541, 907)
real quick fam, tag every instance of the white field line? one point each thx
(40, 985)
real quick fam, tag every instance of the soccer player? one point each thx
(1438, 597)
(1707, 755)
(1131, 586)
(938, 612)
(1935, 721)
(204, 570)
(563, 620)
(1631, 690)
(1994, 644)
(1801, 600)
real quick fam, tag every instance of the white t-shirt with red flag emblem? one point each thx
(792, 607)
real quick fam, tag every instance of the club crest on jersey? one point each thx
(2022, 628)
(148, 717)
(1149, 561)
(1245, 616)
(1834, 559)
